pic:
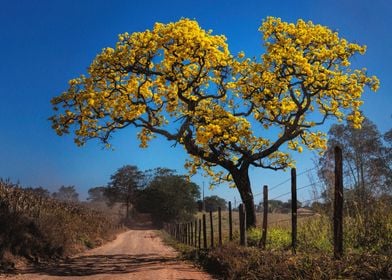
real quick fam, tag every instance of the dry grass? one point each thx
(233, 262)
(275, 221)
(367, 243)
(38, 227)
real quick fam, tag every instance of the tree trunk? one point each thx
(242, 182)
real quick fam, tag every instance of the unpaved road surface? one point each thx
(135, 254)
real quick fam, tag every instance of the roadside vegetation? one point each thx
(36, 227)
(367, 252)
(367, 227)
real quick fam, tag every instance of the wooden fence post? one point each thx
(188, 234)
(199, 235)
(263, 239)
(338, 205)
(230, 223)
(191, 232)
(195, 240)
(220, 225)
(212, 230)
(192, 238)
(204, 232)
(294, 210)
(185, 233)
(182, 232)
(188, 229)
(242, 216)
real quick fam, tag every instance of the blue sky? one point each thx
(46, 43)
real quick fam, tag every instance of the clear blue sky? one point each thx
(46, 43)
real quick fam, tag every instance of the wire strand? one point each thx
(289, 179)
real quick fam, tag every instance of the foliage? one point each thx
(40, 191)
(180, 81)
(371, 232)
(315, 235)
(314, 258)
(273, 205)
(97, 194)
(169, 198)
(68, 194)
(386, 157)
(35, 226)
(123, 186)
(278, 206)
(367, 161)
(212, 203)
(234, 262)
(367, 249)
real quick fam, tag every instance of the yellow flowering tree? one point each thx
(181, 82)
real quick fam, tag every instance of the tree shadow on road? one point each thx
(106, 264)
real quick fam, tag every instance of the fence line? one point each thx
(185, 233)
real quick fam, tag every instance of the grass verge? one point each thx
(232, 261)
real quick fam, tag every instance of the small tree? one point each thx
(68, 194)
(181, 82)
(123, 185)
(97, 194)
(273, 205)
(367, 161)
(212, 203)
(169, 197)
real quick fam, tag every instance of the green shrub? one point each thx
(315, 235)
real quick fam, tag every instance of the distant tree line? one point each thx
(161, 192)
(168, 196)
(64, 193)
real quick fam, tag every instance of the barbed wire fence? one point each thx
(194, 232)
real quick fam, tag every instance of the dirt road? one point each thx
(135, 254)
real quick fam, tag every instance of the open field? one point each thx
(276, 222)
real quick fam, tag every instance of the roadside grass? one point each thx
(367, 243)
(277, 223)
(233, 262)
(41, 228)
